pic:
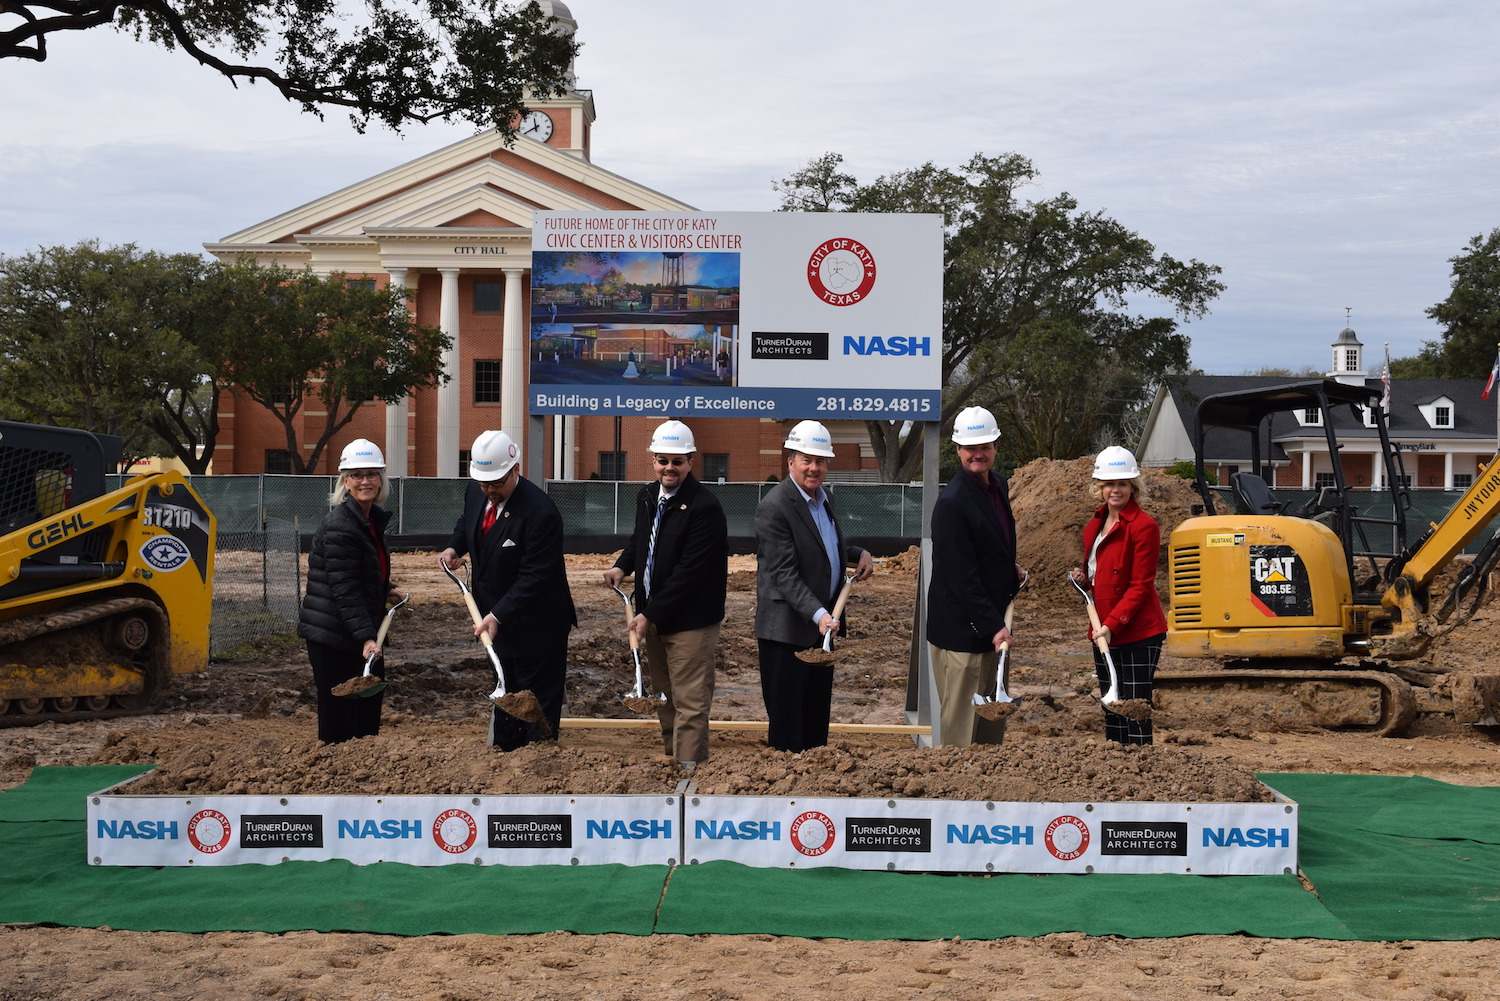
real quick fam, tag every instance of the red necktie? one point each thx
(489, 518)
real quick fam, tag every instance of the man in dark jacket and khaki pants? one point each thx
(679, 553)
(974, 578)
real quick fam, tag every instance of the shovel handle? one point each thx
(1010, 618)
(843, 599)
(1099, 641)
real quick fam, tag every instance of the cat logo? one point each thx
(1274, 569)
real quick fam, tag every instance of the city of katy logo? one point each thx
(841, 272)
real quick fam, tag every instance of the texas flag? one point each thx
(1490, 384)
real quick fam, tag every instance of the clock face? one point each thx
(537, 125)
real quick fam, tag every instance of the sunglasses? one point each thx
(675, 460)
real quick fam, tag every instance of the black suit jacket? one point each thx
(690, 571)
(793, 579)
(519, 574)
(973, 567)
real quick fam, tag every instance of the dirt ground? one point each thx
(247, 725)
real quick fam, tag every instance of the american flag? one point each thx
(1490, 384)
(1385, 380)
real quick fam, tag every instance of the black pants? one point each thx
(798, 696)
(341, 719)
(543, 675)
(1135, 663)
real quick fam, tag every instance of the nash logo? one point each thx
(209, 831)
(1067, 838)
(454, 831)
(813, 833)
(841, 272)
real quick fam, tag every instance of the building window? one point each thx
(488, 297)
(1321, 480)
(486, 380)
(1443, 417)
(1404, 481)
(716, 467)
(463, 463)
(1312, 417)
(368, 284)
(278, 460)
(1463, 481)
(612, 465)
(1351, 359)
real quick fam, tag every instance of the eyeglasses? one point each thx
(675, 460)
(367, 474)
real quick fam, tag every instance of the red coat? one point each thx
(1125, 575)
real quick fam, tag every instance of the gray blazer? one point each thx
(792, 578)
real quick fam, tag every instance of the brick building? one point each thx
(455, 226)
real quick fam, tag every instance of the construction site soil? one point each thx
(247, 725)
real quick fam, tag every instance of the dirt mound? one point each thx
(1054, 498)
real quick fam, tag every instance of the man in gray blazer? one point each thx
(800, 560)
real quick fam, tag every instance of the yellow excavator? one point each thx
(1317, 614)
(104, 594)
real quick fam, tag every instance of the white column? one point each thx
(1307, 469)
(513, 403)
(395, 413)
(570, 454)
(448, 394)
(1447, 470)
(1377, 471)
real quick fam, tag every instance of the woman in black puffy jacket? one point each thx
(348, 586)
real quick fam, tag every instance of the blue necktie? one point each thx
(661, 506)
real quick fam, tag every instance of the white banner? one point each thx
(908, 835)
(923, 835)
(417, 830)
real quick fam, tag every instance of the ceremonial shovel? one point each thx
(1133, 708)
(825, 654)
(367, 684)
(1002, 705)
(637, 701)
(521, 705)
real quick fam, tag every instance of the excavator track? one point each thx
(87, 661)
(1373, 702)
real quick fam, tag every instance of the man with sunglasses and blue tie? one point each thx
(679, 553)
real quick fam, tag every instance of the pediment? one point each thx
(476, 174)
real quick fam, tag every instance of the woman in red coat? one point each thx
(1121, 546)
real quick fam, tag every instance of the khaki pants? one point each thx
(959, 677)
(682, 668)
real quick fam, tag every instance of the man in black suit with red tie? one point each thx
(513, 534)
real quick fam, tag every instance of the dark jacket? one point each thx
(793, 579)
(973, 566)
(1125, 575)
(690, 571)
(346, 590)
(519, 574)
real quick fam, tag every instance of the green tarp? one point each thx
(1389, 858)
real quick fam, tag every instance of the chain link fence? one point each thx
(257, 585)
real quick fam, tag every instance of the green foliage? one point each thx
(398, 61)
(92, 338)
(1028, 286)
(294, 337)
(1188, 471)
(1470, 315)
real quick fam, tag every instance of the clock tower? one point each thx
(564, 122)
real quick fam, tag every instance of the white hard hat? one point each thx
(361, 453)
(494, 454)
(1116, 463)
(673, 438)
(974, 426)
(810, 438)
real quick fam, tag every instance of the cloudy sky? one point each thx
(1325, 155)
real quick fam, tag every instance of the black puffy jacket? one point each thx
(346, 590)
